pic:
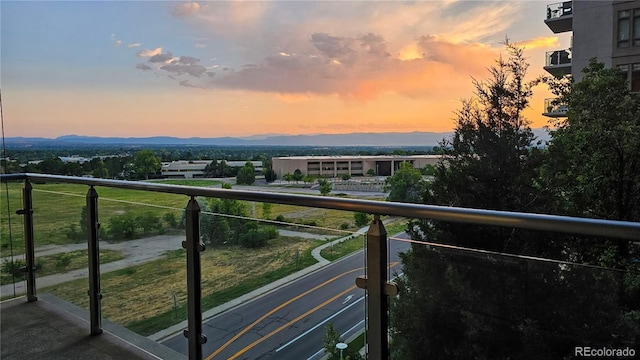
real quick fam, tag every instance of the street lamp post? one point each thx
(341, 346)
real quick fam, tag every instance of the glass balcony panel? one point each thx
(560, 17)
(471, 303)
(555, 109)
(11, 241)
(559, 10)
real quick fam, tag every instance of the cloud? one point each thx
(185, 9)
(187, 83)
(355, 50)
(161, 57)
(144, 67)
(149, 53)
(539, 42)
(115, 41)
(181, 69)
(187, 60)
(134, 45)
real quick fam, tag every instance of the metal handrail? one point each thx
(566, 224)
(375, 282)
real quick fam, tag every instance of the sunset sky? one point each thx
(240, 68)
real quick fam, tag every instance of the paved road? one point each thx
(289, 322)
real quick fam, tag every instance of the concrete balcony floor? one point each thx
(51, 328)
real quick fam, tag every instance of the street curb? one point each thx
(322, 262)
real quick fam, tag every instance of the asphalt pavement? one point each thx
(289, 320)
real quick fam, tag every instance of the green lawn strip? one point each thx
(60, 263)
(357, 343)
(356, 243)
(202, 183)
(161, 321)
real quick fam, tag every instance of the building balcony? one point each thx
(553, 109)
(169, 296)
(560, 17)
(558, 62)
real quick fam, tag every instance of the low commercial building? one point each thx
(195, 168)
(335, 166)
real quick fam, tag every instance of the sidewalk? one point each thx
(135, 252)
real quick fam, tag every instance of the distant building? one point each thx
(195, 168)
(606, 30)
(335, 166)
(73, 159)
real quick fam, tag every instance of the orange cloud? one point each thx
(540, 42)
(149, 53)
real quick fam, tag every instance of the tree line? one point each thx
(485, 296)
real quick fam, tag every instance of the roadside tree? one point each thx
(146, 163)
(406, 185)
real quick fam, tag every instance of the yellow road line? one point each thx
(224, 346)
(247, 348)
(289, 323)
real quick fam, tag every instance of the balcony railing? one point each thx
(377, 282)
(558, 62)
(554, 109)
(559, 16)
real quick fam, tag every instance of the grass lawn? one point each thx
(57, 207)
(189, 182)
(141, 297)
(346, 247)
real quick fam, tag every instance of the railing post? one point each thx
(95, 297)
(194, 287)
(377, 301)
(29, 241)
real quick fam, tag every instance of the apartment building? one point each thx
(606, 30)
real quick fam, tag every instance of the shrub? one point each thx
(15, 267)
(122, 227)
(361, 219)
(258, 237)
(171, 220)
(63, 261)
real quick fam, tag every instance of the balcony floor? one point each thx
(51, 328)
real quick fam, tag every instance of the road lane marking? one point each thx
(320, 324)
(265, 337)
(298, 318)
(348, 298)
(246, 329)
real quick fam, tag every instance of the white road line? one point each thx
(319, 324)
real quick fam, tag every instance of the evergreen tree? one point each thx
(463, 303)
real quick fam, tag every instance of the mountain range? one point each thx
(351, 139)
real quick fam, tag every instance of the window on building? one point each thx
(623, 28)
(636, 27)
(635, 77)
(624, 71)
